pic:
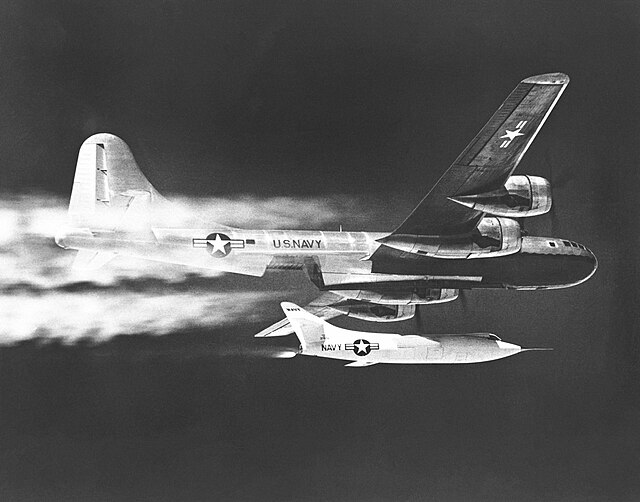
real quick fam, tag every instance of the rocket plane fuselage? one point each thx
(319, 338)
(373, 348)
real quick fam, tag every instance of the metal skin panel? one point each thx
(321, 339)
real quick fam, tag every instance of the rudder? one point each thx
(107, 182)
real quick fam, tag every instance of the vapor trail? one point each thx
(42, 296)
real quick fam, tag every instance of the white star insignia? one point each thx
(362, 346)
(218, 244)
(511, 135)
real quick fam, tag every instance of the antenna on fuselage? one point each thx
(340, 228)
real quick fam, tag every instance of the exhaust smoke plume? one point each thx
(42, 296)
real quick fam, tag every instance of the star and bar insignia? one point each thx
(361, 347)
(218, 245)
(509, 136)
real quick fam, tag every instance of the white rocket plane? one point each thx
(319, 338)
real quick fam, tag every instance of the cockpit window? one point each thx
(574, 244)
(552, 244)
(566, 243)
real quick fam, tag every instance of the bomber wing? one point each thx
(488, 161)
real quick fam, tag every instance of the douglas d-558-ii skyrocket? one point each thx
(319, 338)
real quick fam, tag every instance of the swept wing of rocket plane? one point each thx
(464, 234)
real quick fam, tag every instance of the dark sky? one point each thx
(369, 98)
(245, 95)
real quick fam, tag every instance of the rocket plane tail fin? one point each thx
(309, 328)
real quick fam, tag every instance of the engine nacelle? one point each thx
(521, 196)
(377, 313)
(400, 297)
(492, 237)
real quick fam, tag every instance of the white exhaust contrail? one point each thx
(42, 296)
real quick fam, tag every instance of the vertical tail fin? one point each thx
(113, 205)
(106, 184)
(309, 328)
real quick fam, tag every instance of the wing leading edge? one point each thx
(488, 161)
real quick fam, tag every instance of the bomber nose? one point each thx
(594, 263)
(587, 266)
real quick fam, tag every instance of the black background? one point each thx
(373, 99)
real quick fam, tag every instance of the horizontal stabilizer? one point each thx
(281, 328)
(91, 260)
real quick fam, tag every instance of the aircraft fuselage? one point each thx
(364, 348)
(347, 260)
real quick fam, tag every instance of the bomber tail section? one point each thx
(110, 199)
(114, 208)
(109, 190)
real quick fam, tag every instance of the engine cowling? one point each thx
(522, 196)
(400, 297)
(494, 236)
(377, 313)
